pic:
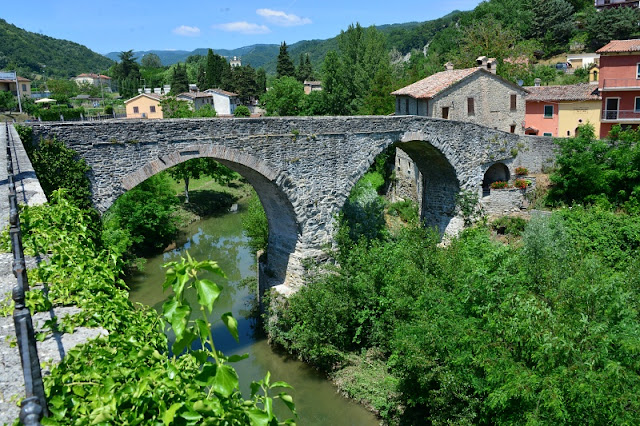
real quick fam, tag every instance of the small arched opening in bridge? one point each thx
(283, 227)
(498, 172)
(435, 181)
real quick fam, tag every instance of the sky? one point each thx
(120, 25)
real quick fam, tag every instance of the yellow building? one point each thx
(145, 105)
(573, 114)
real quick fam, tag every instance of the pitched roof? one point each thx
(103, 77)
(221, 92)
(434, 84)
(194, 95)
(573, 92)
(13, 81)
(148, 95)
(620, 46)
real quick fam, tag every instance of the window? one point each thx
(637, 70)
(637, 103)
(548, 111)
(136, 110)
(513, 128)
(470, 107)
(445, 112)
(547, 134)
(152, 108)
(514, 99)
(24, 87)
(406, 106)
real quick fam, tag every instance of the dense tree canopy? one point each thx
(285, 67)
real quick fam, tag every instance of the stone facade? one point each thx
(482, 98)
(302, 168)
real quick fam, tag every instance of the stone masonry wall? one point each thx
(303, 168)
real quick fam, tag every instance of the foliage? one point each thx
(126, 377)
(285, 67)
(509, 225)
(56, 111)
(62, 89)
(592, 170)
(471, 210)
(256, 225)
(151, 60)
(615, 23)
(7, 101)
(175, 108)
(198, 167)
(521, 183)
(145, 214)
(285, 98)
(179, 80)
(482, 333)
(363, 213)
(304, 72)
(30, 52)
(58, 167)
(241, 111)
(127, 74)
(407, 210)
(205, 111)
(552, 23)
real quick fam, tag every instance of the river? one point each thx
(223, 240)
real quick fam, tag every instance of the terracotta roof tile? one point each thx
(621, 46)
(574, 92)
(221, 92)
(434, 84)
(148, 95)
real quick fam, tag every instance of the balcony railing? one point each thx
(620, 115)
(620, 83)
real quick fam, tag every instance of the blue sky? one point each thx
(118, 25)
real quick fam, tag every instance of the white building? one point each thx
(224, 102)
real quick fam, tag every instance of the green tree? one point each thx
(261, 81)
(217, 69)
(241, 111)
(285, 98)
(256, 225)
(62, 89)
(174, 108)
(617, 23)
(197, 168)
(304, 72)
(552, 23)
(205, 110)
(127, 74)
(284, 67)
(179, 80)
(151, 60)
(243, 83)
(7, 101)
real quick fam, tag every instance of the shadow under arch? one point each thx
(269, 184)
(437, 184)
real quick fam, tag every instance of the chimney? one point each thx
(536, 82)
(492, 65)
(448, 66)
(482, 62)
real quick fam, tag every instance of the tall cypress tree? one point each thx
(284, 66)
(304, 71)
(179, 80)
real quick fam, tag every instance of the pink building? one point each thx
(619, 84)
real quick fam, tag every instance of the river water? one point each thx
(223, 240)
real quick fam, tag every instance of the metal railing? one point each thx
(620, 114)
(34, 406)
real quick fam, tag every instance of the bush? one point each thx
(256, 225)
(242, 111)
(407, 210)
(521, 183)
(509, 225)
(54, 113)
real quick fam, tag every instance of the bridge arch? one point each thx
(270, 185)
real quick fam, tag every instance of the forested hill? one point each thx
(27, 52)
(402, 37)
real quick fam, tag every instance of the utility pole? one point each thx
(18, 91)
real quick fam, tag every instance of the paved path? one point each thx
(55, 346)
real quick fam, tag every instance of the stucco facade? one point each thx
(619, 84)
(10, 86)
(145, 105)
(573, 114)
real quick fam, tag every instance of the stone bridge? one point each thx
(302, 168)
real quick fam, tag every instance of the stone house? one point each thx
(475, 95)
(145, 105)
(558, 110)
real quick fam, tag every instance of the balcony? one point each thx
(620, 84)
(620, 116)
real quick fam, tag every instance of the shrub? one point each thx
(521, 171)
(242, 111)
(509, 225)
(499, 185)
(108, 110)
(407, 210)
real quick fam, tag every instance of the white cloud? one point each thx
(243, 27)
(278, 17)
(185, 30)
